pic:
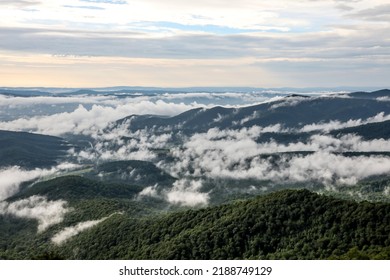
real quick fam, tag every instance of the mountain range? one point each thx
(295, 177)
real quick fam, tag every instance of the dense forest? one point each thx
(295, 177)
(289, 224)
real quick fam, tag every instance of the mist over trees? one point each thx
(295, 177)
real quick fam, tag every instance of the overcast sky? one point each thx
(174, 43)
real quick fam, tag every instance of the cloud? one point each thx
(384, 98)
(46, 212)
(184, 192)
(19, 3)
(377, 13)
(16, 101)
(343, 7)
(336, 169)
(245, 16)
(115, 2)
(333, 125)
(68, 232)
(121, 144)
(84, 7)
(386, 191)
(290, 101)
(228, 99)
(150, 191)
(236, 154)
(133, 44)
(84, 121)
(187, 193)
(347, 143)
(12, 177)
(304, 35)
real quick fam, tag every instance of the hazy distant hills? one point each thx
(370, 95)
(294, 111)
(367, 131)
(123, 91)
(74, 188)
(30, 150)
(44, 91)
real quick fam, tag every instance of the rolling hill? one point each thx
(291, 112)
(197, 194)
(30, 150)
(282, 225)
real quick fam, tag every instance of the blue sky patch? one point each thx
(115, 2)
(84, 7)
(215, 29)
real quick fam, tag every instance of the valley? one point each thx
(283, 176)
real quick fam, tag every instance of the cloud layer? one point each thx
(12, 177)
(68, 232)
(236, 154)
(184, 192)
(46, 212)
(89, 43)
(333, 125)
(90, 121)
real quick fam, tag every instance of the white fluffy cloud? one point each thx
(17, 101)
(68, 232)
(121, 144)
(151, 191)
(331, 168)
(236, 154)
(84, 121)
(333, 125)
(184, 192)
(75, 41)
(12, 177)
(46, 212)
(187, 193)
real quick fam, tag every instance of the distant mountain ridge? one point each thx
(294, 111)
(43, 91)
(30, 150)
(368, 95)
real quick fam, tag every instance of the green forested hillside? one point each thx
(282, 225)
(142, 173)
(286, 224)
(73, 188)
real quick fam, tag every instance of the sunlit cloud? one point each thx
(322, 34)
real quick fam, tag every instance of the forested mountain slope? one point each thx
(30, 150)
(282, 225)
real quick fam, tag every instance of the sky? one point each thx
(178, 43)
